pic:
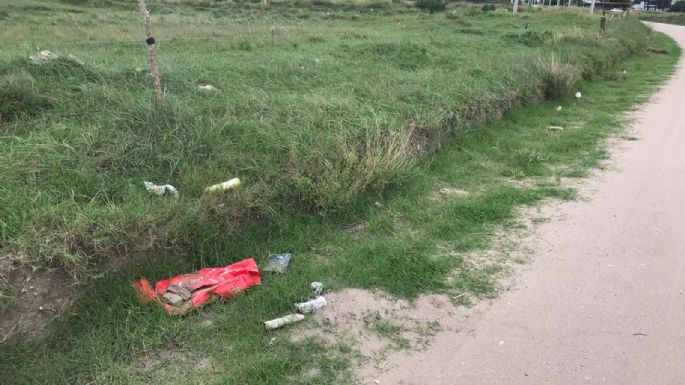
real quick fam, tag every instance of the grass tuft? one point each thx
(558, 76)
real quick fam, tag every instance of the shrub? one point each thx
(557, 77)
(488, 7)
(431, 6)
(678, 6)
(18, 98)
(331, 180)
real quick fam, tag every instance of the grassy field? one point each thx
(661, 17)
(322, 110)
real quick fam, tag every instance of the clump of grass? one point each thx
(332, 180)
(558, 77)
(575, 35)
(19, 97)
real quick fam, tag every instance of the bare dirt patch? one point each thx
(40, 297)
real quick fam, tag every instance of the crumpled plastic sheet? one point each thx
(223, 282)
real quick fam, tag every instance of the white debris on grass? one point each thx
(166, 189)
(206, 87)
(43, 57)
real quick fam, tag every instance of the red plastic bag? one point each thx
(182, 293)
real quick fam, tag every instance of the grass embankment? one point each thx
(661, 17)
(316, 123)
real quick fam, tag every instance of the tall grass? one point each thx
(313, 116)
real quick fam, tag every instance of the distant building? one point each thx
(606, 5)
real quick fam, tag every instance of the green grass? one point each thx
(73, 194)
(661, 17)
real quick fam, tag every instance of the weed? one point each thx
(558, 77)
(331, 180)
(19, 97)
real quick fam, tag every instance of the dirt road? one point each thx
(604, 300)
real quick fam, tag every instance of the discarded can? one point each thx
(311, 306)
(277, 263)
(228, 185)
(166, 189)
(279, 322)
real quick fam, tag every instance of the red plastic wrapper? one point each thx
(182, 293)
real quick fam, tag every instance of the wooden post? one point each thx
(516, 6)
(152, 50)
(602, 24)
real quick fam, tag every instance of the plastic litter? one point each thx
(206, 87)
(277, 263)
(166, 189)
(558, 109)
(224, 186)
(311, 306)
(280, 322)
(556, 128)
(43, 57)
(182, 293)
(316, 301)
(578, 95)
(317, 287)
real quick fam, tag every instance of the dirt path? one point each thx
(604, 300)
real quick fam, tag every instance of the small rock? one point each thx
(578, 95)
(558, 108)
(376, 381)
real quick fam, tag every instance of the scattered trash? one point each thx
(278, 263)
(272, 340)
(318, 289)
(311, 306)
(166, 189)
(182, 293)
(206, 87)
(378, 204)
(624, 72)
(42, 57)
(558, 108)
(316, 301)
(578, 95)
(279, 322)
(556, 128)
(228, 185)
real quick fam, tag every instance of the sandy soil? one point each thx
(603, 302)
